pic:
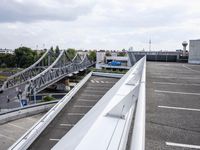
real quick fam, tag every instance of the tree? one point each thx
(51, 48)
(92, 55)
(121, 53)
(24, 57)
(108, 53)
(57, 50)
(71, 53)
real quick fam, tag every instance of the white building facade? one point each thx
(6, 51)
(194, 52)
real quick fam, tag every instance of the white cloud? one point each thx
(112, 24)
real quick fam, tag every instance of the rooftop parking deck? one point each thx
(173, 106)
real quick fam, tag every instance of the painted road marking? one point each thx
(102, 81)
(85, 100)
(94, 90)
(191, 69)
(174, 83)
(80, 106)
(92, 81)
(91, 95)
(172, 92)
(6, 136)
(54, 139)
(17, 126)
(98, 88)
(179, 108)
(182, 145)
(76, 114)
(96, 81)
(67, 125)
(184, 78)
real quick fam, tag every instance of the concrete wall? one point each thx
(194, 52)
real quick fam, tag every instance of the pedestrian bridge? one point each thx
(49, 69)
(116, 121)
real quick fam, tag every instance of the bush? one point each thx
(48, 98)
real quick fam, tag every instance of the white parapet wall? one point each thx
(28, 138)
(107, 125)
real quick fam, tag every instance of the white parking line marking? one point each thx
(97, 88)
(173, 83)
(92, 81)
(102, 81)
(54, 139)
(89, 91)
(183, 78)
(85, 100)
(91, 95)
(172, 92)
(67, 125)
(17, 126)
(76, 114)
(182, 145)
(5, 136)
(191, 69)
(96, 81)
(80, 106)
(179, 108)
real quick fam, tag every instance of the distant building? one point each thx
(107, 59)
(194, 52)
(6, 51)
(82, 52)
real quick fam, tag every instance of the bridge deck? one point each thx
(173, 106)
(80, 104)
(12, 95)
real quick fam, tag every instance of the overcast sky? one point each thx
(99, 24)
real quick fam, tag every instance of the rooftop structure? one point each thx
(194, 52)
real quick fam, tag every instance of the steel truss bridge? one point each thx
(49, 69)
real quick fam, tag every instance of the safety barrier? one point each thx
(27, 139)
(107, 125)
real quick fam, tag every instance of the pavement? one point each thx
(12, 95)
(172, 106)
(10, 132)
(79, 105)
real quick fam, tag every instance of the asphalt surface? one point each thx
(12, 95)
(10, 132)
(79, 105)
(173, 106)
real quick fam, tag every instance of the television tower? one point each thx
(150, 45)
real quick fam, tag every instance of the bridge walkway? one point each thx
(79, 105)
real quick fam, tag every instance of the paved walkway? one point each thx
(12, 94)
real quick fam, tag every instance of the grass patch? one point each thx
(14, 70)
(48, 98)
(2, 77)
